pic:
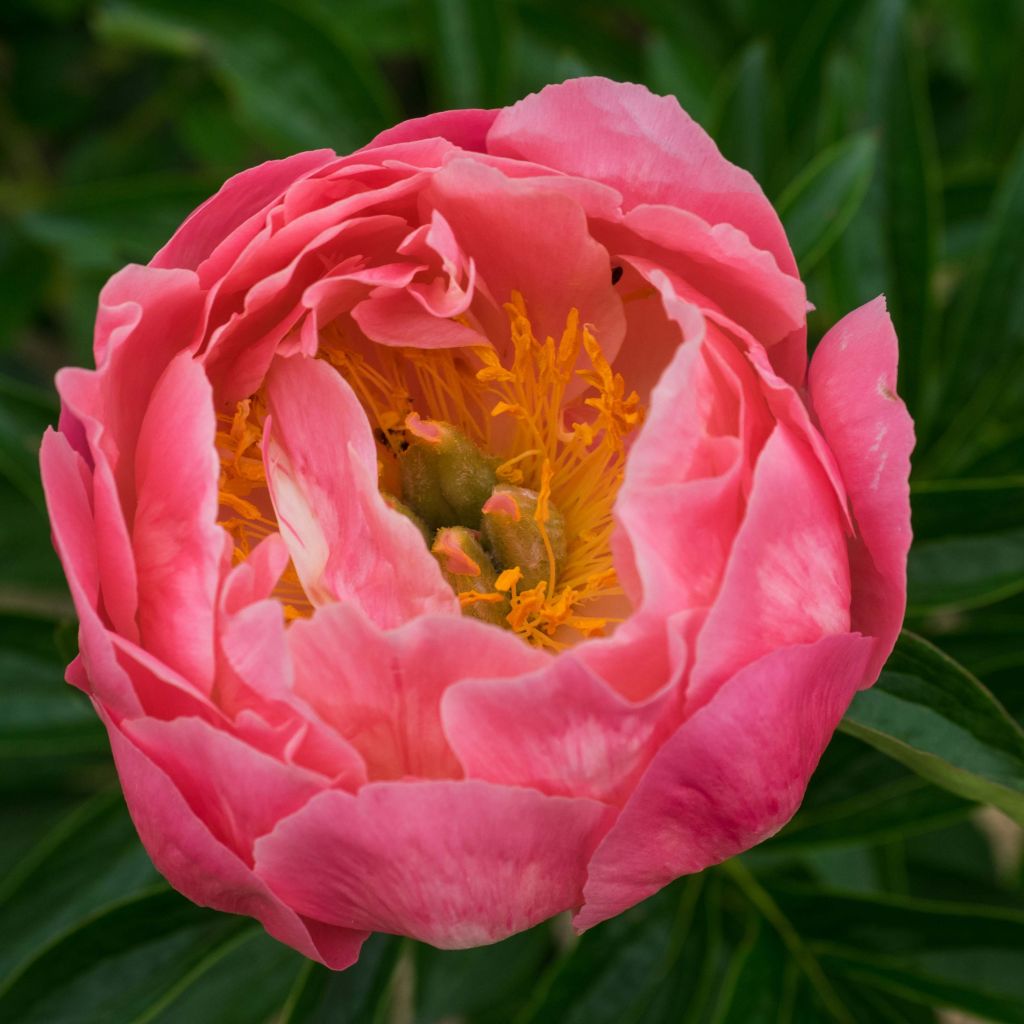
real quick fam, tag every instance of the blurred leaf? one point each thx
(934, 952)
(353, 996)
(449, 982)
(25, 413)
(750, 119)
(469, 50)
(891, 244)
(243, 980)
(296, 77)
(928, 713)
(985, 348)
(91, 862)
(41, 716)
(819, 204)
(617, 969)
(964, 572)
(124, 964)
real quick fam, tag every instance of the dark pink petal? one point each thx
(852, 382)
(455, 864)
(730, 777)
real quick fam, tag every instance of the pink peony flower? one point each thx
(458, 534)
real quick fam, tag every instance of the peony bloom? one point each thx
(458, 533)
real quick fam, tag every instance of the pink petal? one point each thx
(730, 777)
(562, 730)
(464, 128)
(788, 578)
(718, 261)
(238, 792)
(526, 238)
(185, 852)
(643, 145)
(65, 479)
(239, 198)
(455, 864)
(852, 381)
(382, 690)
(322, 469)
(179, 549)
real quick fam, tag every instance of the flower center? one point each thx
(510, 466)
(552, 418)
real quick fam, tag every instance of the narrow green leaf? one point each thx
(985, 348)
(750, 120)
(615, 970)
(930, 714)
(353, 996)
(469, 51)
(119, 963)
(965, 572)
(819, 204)
(91, 861)
(242, 980)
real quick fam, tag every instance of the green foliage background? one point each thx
(889, 133)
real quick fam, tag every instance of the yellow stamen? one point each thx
(246, 510)
(523, 408)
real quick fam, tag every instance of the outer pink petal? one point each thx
(179, 549)
(562, 730)
(719, 262)
(382, 690)
(643, 145)
(455, 864)
(322, 468)
(239, 198)
(788, 578)
(730, 777)
(238, 792)
(65, 483)
(852, 381)
(465, 128)
(207, 872)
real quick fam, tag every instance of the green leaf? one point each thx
(748, 123)
(928, 951)
(354, 996)
(930, 714)
(121, 964)
(891, 245)
(965, 572)
(298, 80)
(985, 348)
(616, 970)
(448, 981)
(819, 204)
(91, 862)
(246, 978)
(470, 53)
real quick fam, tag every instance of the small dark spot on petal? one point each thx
(616, 275)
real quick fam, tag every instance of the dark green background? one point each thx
(889, 134)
